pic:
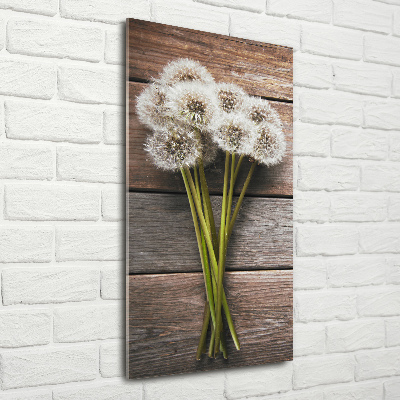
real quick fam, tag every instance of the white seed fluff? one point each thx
(260, 110)
(268, 146)
(233, 132)
(193, 103)
(151, 106)
(174, 147)
(231, 97)
(185, 70)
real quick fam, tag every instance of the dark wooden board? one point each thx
(261, 69)
(165, 317)
(275, 181)
(162, 237)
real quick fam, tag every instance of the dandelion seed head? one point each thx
(230, 96)
(151, 106)
(233, 132)
(268, 146)
(260, 110)
(173, 147)
(192, 103)
(185, 70)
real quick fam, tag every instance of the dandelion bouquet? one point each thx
(192, 118)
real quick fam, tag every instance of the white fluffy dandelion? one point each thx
(260, 110)
(174, 147)
(193, 103)
(268, 145)
(151, 106)
(231, 97)
(233, 132)
(185, 70)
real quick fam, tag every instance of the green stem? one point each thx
(204, 330)
(239, 203)
(238, 166)
(218, 310)
(214, 262)
(230, 197)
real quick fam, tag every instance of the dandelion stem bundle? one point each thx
(192, 118)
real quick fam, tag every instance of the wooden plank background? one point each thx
(164, 328)
(165, 288)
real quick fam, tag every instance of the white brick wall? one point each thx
(62, 217)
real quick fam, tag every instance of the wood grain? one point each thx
(143, 175)
(165, 317)
(162, 238)
(261, 69)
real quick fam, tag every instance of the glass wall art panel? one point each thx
(209, 201)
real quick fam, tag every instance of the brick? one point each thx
(54, 39)
(369, 391)
(355, 335)
(104, 11)
(113, 283)
(381, 177)
(264, 28)
(377, 364)
(45, 7)
(327, 240)
(191, 15)
(48, 366)
(2, 122)
(26, 243)
(393, 275)
(380, 238)
(114, 126)
(392, 327)
(363, 79)
(319, 306)
(16, 78)
(317, 174)
(2, 33)
(186, 387)
(310, 10)
(303, 395)
(49, 285)
(20, 328)
(359, 143)
(377, 302)
(394, 147)
(382, 49)
(121, 391)
(255, 5)
(358, 207)
(396, 83)
(332, 42)
(322, 107)
(81, 324)
(94, 85)
(111, 356)
(258, 382)
(311, 140)
(396, 23)
(115, 45)
(382, 114)
(323, 370)
(41, 202)
(89, 164)
(26, 162)
(312, 72)
(113, 203)
(309, 273)
(355, 271)
(311, 206)
(392, 389)
(390, 1)
(43, 121)
(36, 395)
(374, 17)
(308, 339)
(90, 242)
